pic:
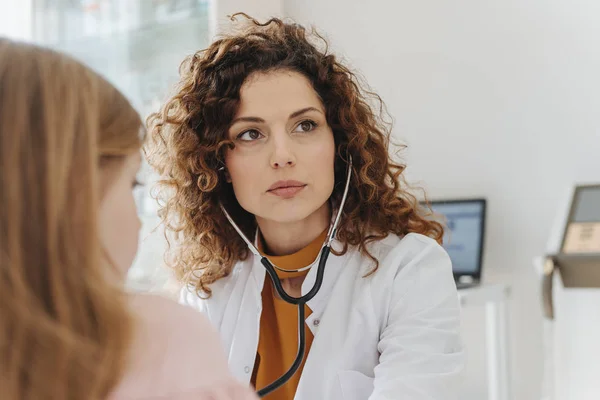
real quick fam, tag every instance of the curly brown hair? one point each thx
(188, 139)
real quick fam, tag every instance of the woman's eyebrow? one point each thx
(304, 110)
(262, 121)
(248, 119)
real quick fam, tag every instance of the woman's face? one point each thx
(282, 166)
(119, 224)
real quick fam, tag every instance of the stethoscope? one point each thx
(299, 301)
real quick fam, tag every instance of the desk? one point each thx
(494, 297)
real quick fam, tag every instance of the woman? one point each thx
(267, 128)
(69, 145)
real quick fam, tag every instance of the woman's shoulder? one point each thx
(410, 252)
(175, 352)
(408, 246)
(414, 267)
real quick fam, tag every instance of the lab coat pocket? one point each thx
(355, 385)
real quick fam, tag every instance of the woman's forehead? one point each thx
(276, 92)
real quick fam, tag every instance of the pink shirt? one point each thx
(176, 354)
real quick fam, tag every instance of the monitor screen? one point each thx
(463, 239)
(587, 205)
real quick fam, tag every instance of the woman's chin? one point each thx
(293, 213)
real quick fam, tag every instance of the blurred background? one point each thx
(495, 99)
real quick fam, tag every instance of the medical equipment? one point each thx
(571, 325)
(576, 253)
(299, 301)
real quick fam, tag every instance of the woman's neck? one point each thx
(284, 238)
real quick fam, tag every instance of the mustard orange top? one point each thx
(278, 336)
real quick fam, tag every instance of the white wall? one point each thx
(494, 98)
(15, 19)
(259, 9)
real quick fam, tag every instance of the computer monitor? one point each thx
(464, 237)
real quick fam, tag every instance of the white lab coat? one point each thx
(392, 335)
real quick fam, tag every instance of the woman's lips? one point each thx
(286, 189)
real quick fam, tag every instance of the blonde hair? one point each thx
(64, 324)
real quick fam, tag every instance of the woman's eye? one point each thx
(249, 135)
(306, 126)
